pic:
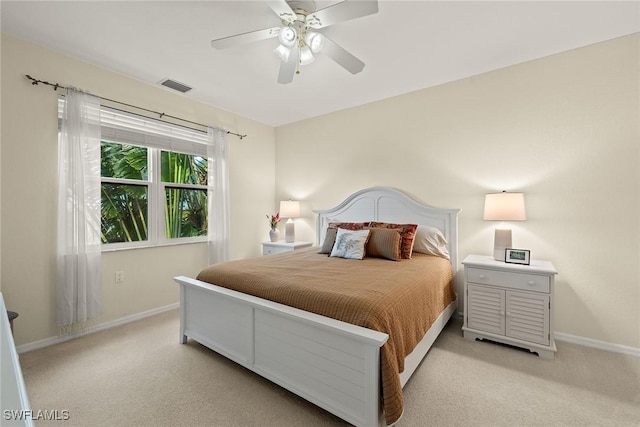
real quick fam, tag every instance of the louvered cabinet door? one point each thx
(527, 317)
(511, 304)
(485, 308)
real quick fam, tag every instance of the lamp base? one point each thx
(501, 241)
(290, 233)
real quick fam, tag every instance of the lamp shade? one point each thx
(504, 207)
(287, 36)
(289, 209)
(315, 41)
(306, 57)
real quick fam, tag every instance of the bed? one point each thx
(331, 363)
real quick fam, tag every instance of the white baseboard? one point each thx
(602, 345)
(588, 342)
(35, 345)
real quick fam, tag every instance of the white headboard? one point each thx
(387, 204)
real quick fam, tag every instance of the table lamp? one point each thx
(290, 209)
(503, 207)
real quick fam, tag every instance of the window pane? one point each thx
(185, 212)
(124, 213)
(123, 161)
(183, 168)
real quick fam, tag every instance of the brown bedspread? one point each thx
(401, 299)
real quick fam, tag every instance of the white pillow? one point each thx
(430, 241)
(350, 243)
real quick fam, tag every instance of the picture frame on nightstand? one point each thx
(517, 256)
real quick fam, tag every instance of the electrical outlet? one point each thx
(119, 277)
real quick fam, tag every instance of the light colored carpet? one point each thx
(139, 375)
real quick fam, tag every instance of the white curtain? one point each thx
(218, 197)
(78, 234)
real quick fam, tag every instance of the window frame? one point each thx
(122, 127)
(151, 202)
(161, 200)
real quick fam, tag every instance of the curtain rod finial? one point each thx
(34, 82)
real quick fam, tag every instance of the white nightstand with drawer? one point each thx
(271, 248)
(510, 303)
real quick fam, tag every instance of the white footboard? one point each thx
(332, 364)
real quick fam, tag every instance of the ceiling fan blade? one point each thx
(288, 69)
(341, 12)
(282, 9)
(239, 39)
(341, 56)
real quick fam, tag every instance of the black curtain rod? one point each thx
(57, 86)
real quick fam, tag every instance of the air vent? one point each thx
(172, 84)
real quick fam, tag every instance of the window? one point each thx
(184, 180)
(181, 192)
(154, 181)
(125, 193)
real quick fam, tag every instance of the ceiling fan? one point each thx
(298, 38)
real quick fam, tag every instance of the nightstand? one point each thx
(510, 303)
(271, 248)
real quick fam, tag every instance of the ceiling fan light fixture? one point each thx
(300, 33)
(283, 53)
(288, 36)
(315, 41)
(306, 57)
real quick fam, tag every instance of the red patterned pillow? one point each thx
(349, 225)
(407, 232)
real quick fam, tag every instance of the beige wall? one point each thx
(563, 129)
(28, 177)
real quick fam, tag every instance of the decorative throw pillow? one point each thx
(348, 225)
(350, 243)
(407, 232)
(329, 240)
(384, 243)
(430, 241)
(332, 229)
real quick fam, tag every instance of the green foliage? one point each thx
(183, 168)
(125, 206)
(124, 213)
(185, 212)
(185, 208)
(123, 161)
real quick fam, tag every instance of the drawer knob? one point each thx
(482, 276)
(531, 282)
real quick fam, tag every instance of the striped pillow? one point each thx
(407, 232)
(384, 243)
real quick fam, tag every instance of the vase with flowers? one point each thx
(274, 233)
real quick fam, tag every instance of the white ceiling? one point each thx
(407, 45)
